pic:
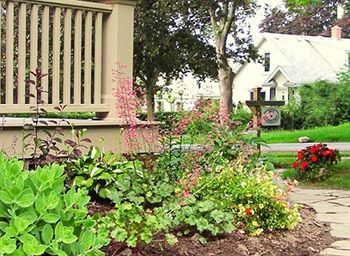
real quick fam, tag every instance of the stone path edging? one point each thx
(333, 207)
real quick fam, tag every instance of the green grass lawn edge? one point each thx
(340, 133)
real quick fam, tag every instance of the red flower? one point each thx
(318, 147)
(300, 155)
(304, 165)
(295, 165)
(186, 194)
(313, 150)
(325, 153)
(331, 152)
(248, 211)
(314, 159)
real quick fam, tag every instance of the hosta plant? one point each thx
(38, 216)
(112, 176)
(315, 162)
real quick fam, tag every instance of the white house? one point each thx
(184, 93)
(288, 61)
(291, 60)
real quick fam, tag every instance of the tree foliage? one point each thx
(315, 18)
(226, 20)
(168, 45)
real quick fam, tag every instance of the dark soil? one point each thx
(308, 238)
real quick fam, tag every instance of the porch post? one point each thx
(117, 46)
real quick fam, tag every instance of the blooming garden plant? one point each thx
(315, 162)
(212, 189)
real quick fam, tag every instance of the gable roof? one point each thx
(309, 58)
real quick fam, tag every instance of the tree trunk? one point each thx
(150, 91)
(226, 76)
(150, 103)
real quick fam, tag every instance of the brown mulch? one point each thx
(308, 238)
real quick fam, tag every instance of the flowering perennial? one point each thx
(315, 161)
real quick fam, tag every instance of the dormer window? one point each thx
(267, 59)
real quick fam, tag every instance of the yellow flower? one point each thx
(257, 232)
(254, 223)
(127, 206)
(261, 206)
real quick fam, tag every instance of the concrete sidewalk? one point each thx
(333, 207)
(294, 147)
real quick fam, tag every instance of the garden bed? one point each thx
(308, 238)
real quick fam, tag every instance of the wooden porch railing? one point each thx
(75, 42)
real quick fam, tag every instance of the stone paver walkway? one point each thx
(333, 207)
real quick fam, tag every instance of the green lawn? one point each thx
(340, 179)
(322, 134)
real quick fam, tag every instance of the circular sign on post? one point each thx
(271, 116)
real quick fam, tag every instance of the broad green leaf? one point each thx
(132, 241)
(21, 224)
(59, 231)
(95, 171)
(58, 185)
(7, 245)
(119, 234)
(151, 220)
(16, 189)
(206, 206)
(78, 181)
(217, 215)
(86, 240)
(6, 197)
(59, 252)
(202, 224)
(52, 201)
(11, 231)
(89, 182)
(123, 185)
(41, 204)
(31, 246)
(50, 217)
(3, 225)
(29, 215)
(146, 236)
(3, 211)
(26, 199)
(68, 236)
(47, 234)
(18, 252)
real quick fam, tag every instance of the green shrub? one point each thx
(318, 104)
(315, 162)
(38, 216)
(255, 199)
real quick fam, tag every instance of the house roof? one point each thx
(309, 58)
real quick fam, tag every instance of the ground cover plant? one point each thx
(38, 215)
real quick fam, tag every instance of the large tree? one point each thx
(313, 18)
(225, 21)
(168, 45)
